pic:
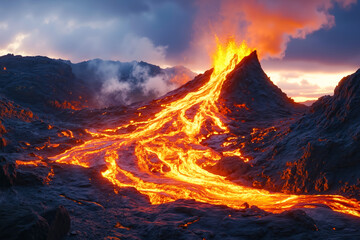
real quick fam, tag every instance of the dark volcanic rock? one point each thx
(252, 96)
(299, 216)
(2, 128)
(332, 156)
(9, 109)
(7, 173)
(289, 224)
(341, 111)
(59, 223)
(41, 83)
(24, 223)
(27, 178)
(10, 175)
(320, 152)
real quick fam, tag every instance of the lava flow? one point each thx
(164, 157)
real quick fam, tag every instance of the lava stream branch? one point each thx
(164, 158)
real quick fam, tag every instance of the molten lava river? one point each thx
(165, 159)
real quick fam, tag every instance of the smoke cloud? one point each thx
(123, 83)
(265, 25)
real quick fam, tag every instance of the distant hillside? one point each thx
(47, 84)
(308, 102)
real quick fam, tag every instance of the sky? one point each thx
(305, 46)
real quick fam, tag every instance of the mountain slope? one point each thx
(318, 152)
(252, 96)
(41, 83)
(331, 158)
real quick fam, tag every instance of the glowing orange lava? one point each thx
(35, 163)
(164, 158)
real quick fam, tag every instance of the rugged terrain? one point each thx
(47, 104)
(316, 151)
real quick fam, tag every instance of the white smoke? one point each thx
(157, 85)
(112, 86)
(139, 84)
(112, 91)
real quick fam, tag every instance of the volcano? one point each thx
(227, 155)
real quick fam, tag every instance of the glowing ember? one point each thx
(50, 176)
(234, 153)
(164, 158)
(74, 105)
(35, 163)
(67, 133)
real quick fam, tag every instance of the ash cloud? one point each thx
(335, 46)
(266, 25)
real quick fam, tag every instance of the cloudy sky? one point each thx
(305, 46)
